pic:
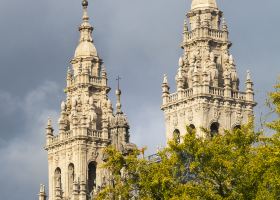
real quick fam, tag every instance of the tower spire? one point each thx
(86, 47)
(206, 70)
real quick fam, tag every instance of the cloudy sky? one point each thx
(138, 40)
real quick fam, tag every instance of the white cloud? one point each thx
(23, 160)
(8, 104)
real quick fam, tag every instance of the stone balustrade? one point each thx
(95, 134)
(188, 93)
(217, 91)
(217, 34)
(70, 135)
(172, 97)
(198, 33)
(96, 81)
(238, 95)
(214, 91)
(92, 80)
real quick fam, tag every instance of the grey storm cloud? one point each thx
(138, 40)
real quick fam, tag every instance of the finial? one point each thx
(49, 128)
(42, 188)
(49, 122)
(185, 26)
(85, 5)
(224, 25)
(165, 79)
(63, 106)
(231, 60)
(118, 80)
(248, 75)
(180, 75)
(181, 62)
(103, 71)
(118, 94)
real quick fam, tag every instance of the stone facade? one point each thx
(87, 125)
(207, 94)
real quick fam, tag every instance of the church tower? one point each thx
(87, 125)
(208, 93)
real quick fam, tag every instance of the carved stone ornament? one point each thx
(94, 154)
(239, 117)
(217, 114)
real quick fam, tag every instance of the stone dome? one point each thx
(85, 49)
(198, 4)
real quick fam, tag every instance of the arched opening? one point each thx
(176, 136)
(71, 174)
(57, 179)
(237, 127)
(192, 127)
(91, 177)
(214, 129)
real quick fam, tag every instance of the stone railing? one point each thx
(70, 135)
(217, 34)
(215, 91)
(188, 93)
(238, 95)
(197, 33)
(95, 134)
(172, 97)
(95, 80)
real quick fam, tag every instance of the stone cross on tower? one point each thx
(207, 93)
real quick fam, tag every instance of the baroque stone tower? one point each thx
(87, 125)
(207, 92)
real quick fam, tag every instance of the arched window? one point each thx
(91, 176)
(176, 136)
(71, 174)
(214, 129)
(192, 127)
(57, 178)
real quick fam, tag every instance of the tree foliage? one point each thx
(239, 164)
